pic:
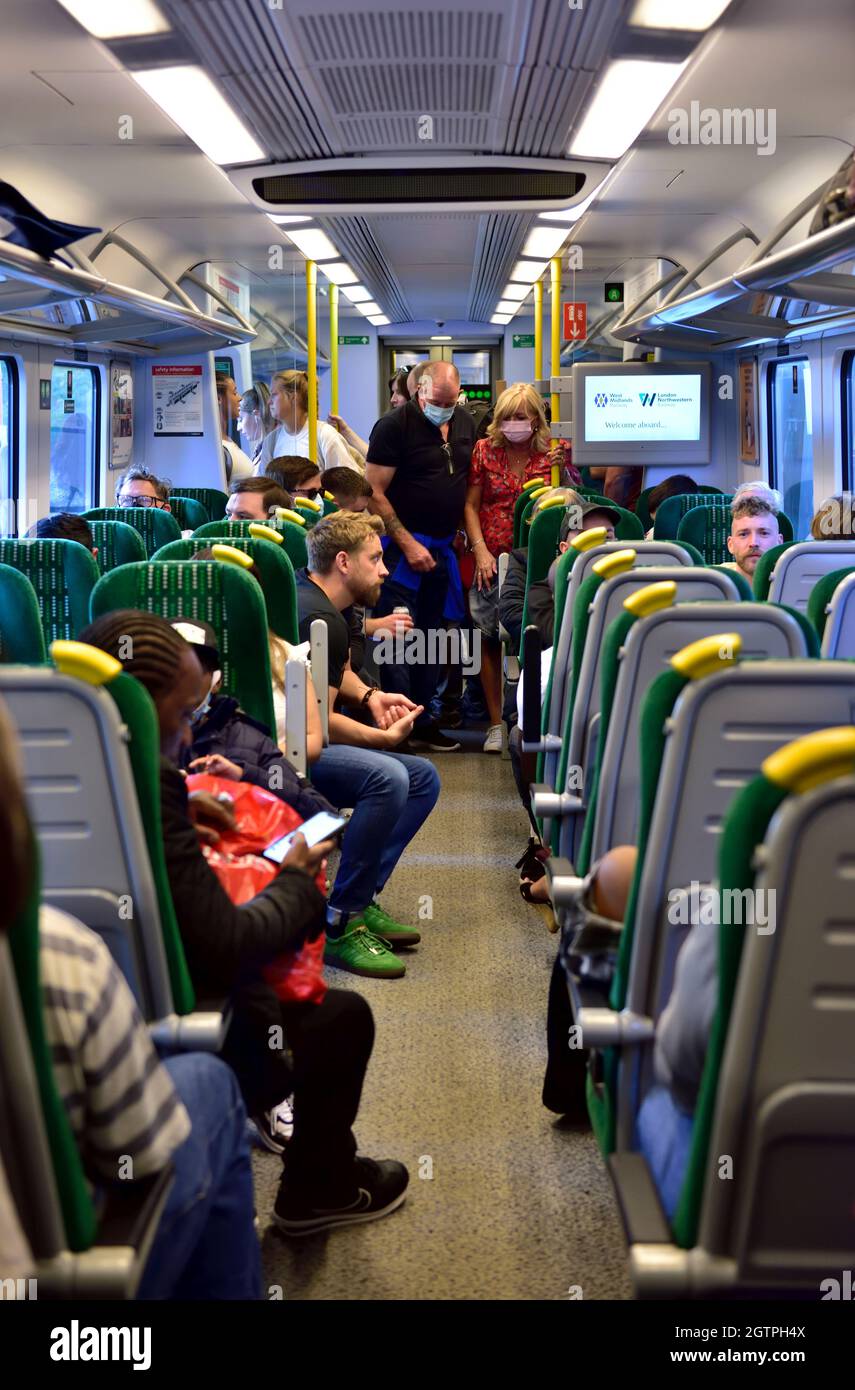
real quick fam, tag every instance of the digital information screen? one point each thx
(620, 409)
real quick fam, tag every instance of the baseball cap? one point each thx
(200, 635)
(585, 508)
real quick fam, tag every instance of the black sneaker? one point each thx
(381, 1187)
(431, 738)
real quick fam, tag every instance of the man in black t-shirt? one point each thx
(391, 794)
(418, 467)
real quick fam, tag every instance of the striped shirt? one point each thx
(120, 1100)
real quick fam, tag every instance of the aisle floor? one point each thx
(517, 1207)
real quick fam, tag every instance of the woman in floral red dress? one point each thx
(517, 447)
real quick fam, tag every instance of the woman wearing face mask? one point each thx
(254, 419)
(515, 449)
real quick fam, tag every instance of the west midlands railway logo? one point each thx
(647, 397)
(601, 399)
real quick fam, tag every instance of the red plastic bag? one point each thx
(297, 976)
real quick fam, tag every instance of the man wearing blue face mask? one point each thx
(418, 467)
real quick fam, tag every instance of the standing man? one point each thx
(418, 468)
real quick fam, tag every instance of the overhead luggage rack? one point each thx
(80, 306)
(725, 314)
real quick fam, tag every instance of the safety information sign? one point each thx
(177, 395)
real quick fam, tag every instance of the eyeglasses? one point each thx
(310, 492)
(446, 449)
(130, 499)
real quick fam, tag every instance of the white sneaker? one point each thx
(493, 741)
(274, 1127)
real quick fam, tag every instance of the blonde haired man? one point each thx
(754, 527)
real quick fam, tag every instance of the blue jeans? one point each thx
(206, 1246)
(426, 605)
(392, 795)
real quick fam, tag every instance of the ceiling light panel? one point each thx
(339, 272)
(528, 271)
(314, 244)
(517, 292)
(195, 103)
(287, 219)
(629, 94)
(357, 294)
(117, 19)
(369, 308)
(544, 241)
(501, 318)
(677, 14)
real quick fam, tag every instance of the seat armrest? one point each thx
(546, 802)
(202, 1031)
(644, 1221)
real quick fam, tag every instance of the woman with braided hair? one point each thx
(330, 1043)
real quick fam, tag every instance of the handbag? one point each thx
(296, 976)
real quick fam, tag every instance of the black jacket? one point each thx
(226, 945)
(541, 603)
(230, 732)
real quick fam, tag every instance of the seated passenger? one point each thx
(227, 743)
(835, 519)
(256, 499)
(665, 1120)
(392, 793)
(64, 526)
(350, 491)
(580, 515)
(326, 1184)
(672, 487)
(123, 1102)
(139, 488)
(296, 475)
(620, 485)
(754, 527)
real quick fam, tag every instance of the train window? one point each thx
(848, 431)
(8, 444)
(474, 367)
(791, 435)
(74, 437)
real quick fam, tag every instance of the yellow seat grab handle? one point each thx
(809, 761)
(83, 662)
(707, 655)
(230, 555)
(260, 532)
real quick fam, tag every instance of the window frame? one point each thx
(847, 385)
(13, 474)
(771, 423)
(97, 423)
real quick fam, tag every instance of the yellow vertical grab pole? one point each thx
(555, 281)
(538, 330)
(312, 342)
(334, 349)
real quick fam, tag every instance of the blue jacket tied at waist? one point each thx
(405, 575)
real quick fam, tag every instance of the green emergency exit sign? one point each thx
(614, 292)
(523, 340)
(353, 342)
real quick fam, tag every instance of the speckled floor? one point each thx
(516, 1207)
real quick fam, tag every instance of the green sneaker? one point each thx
(361, 952)
(382, 925)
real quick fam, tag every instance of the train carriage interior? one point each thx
(427, 460)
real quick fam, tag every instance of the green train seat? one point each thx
(599, 601)
(638, 646)
(116, 543)
(189, 512)
(21, 634)
(838, 637)
(534, 485)
(573, 569)
(707, 527)
(212, 498)
(821, 595)
(673, 509)
(799, 568)
(79, 1252)
(293, 536)
(706, 726)
(779, 1099)
(156, 526)
(63, 575)
(224, 596)
(277, 574)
